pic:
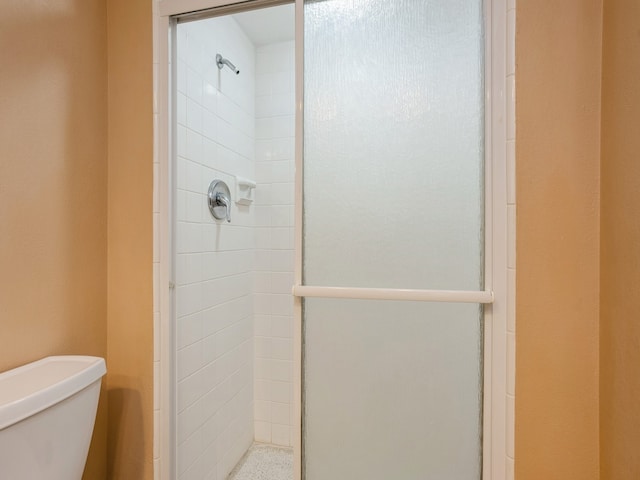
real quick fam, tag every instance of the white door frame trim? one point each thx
(498, 423)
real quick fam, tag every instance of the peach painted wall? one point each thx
(130, 240)
(620, 254)
(558, 66)
(53, 186)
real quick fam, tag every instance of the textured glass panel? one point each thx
(392, 390)
(393, 143)
(393, 197)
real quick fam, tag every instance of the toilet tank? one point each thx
(47, 413)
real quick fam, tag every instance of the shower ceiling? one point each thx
(268, 25)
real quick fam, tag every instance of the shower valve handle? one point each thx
(223, 201)
(219, 200)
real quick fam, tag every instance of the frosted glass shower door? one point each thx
(393, 199)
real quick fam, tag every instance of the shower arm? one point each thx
(221, 62)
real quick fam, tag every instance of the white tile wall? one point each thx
(511, 236)
(214, 262)
(273, 303)
(157, 366)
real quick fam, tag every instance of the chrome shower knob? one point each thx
(219, 200)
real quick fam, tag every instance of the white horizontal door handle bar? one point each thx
(450, 296)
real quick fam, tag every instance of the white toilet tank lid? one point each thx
(31, 388)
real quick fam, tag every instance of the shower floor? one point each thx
(264, 462)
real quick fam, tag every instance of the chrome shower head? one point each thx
(221, 62)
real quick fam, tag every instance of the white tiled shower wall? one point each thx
(273, 306)
(216, 138)
(511, 236)
(217, 288)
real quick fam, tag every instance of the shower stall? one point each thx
(334, 240)
(235, 124)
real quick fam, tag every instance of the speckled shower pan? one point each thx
(264, 462)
